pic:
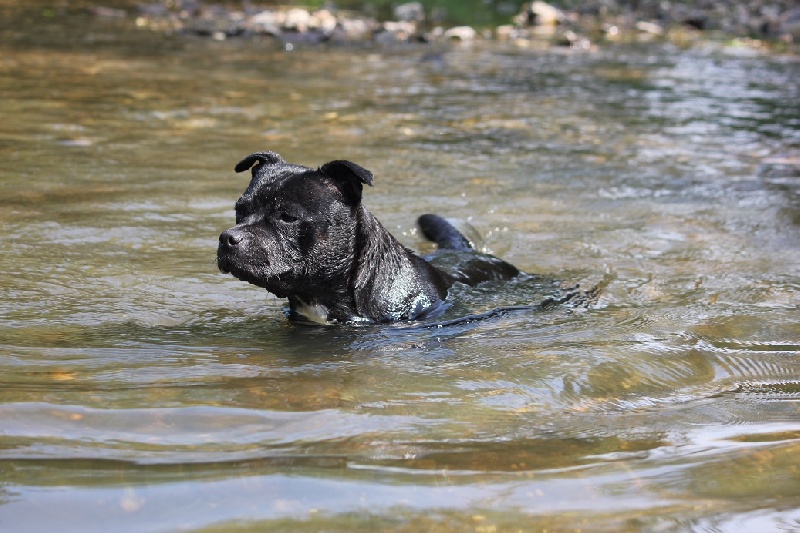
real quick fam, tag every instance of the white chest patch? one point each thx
(314, 312)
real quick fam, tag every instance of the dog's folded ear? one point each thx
(262, 158)
(342, 169)
(349, 176)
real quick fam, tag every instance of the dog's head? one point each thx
(295, 226)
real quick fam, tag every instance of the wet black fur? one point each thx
(303, 234)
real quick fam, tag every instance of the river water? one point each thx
(142, 390)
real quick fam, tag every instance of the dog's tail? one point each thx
(445, 235)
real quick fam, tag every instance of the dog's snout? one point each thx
(230, 238)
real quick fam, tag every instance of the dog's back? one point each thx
(467, 265)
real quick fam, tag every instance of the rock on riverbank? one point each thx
(777, 21)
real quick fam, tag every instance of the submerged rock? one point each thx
(107, 12)
(573, 40)
(780, 167)
(650, 28)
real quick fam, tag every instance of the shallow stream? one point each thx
(142, 390)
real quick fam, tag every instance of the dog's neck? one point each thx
(315, 312)
(334, 307)
(390, 282)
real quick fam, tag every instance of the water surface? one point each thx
(143, 390)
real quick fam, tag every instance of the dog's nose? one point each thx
(230, 238)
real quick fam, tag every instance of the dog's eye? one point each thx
(288, 219)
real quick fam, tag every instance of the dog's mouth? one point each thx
(270, 281)
(224, 265)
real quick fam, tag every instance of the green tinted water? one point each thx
(143, 390)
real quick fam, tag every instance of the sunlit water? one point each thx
(140, 389)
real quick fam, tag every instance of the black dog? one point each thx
(303, 234)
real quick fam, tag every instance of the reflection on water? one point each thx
(137, 380)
